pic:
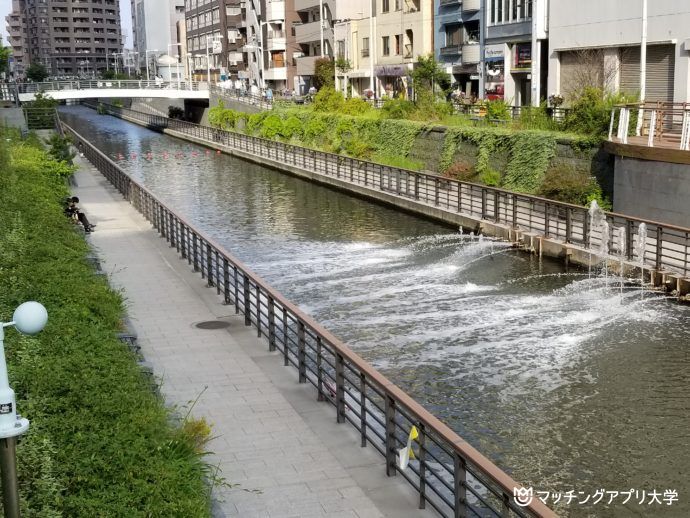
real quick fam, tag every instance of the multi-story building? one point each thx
(69, 37)
(154, 23)
(457, 42)
(515, 50)
(383, 44)
(598, 44)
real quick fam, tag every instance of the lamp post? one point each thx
(179, 53)
(148, 77)
(29, 318)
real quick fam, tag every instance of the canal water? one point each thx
(565, 380)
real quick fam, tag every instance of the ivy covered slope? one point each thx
(100, 442)
(532, 161)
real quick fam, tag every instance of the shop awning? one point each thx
(391, 71)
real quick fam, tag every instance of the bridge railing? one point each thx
(651, 124)
(101, 84)
(450, 475)
(242, 96)
(667, 246)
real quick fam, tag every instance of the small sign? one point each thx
(217, 46)
(5, 408)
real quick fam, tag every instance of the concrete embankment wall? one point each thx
(652, 190)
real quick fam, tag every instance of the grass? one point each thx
(101, 443)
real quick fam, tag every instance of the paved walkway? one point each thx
(280, 446)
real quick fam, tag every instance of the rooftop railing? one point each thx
(651, 124)
(449, 475)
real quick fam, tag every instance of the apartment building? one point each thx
(383, 45)
(68, 37)
(457, 28)
(598, 43)
(154, 24)
(215, 33)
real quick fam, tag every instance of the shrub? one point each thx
(497, 109)
(565, 184)
(328, 100)
(60, 148)
(324, 73)
(271, 127)
(292, 128)
(460, 170)
(356, 106)
(590, 114)
(397, 109)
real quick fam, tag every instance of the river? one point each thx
(563, 379)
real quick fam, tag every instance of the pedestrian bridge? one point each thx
(66, 90)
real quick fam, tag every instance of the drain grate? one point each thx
(212, 324)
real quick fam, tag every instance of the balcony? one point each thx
(470, 5)
(275, 10)
(470, 53)
(276, 74)
(276, 41)
(305, 5)
(451, 50)
(308, 32)
(305, 65)
(444, 3)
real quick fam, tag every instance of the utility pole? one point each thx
(482, 48)
(643, 69)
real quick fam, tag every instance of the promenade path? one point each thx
(283, 449)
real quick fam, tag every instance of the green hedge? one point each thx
(100, 443)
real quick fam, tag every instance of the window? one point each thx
(386, 46)
(365, 47)
(453, 35)
(386, 6)
(398, 44)
(398, 5)
(340, 49)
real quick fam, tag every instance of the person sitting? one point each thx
(72, 211)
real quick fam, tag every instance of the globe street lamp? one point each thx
(29, 318)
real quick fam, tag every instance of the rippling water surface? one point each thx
(565, 381)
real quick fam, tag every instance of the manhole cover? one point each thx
(212, 324)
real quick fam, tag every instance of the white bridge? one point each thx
(64, 90)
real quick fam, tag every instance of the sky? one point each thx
(125, 16)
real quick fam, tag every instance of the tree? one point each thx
(587, 69)
(324, 73)
(343, 66)
(36, 72)
(5, 53)
(427, 74)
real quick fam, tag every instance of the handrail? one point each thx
(668, 246)
(659, 123)
(105, 84)
(449, 469)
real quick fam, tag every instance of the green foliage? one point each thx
(328, 100)
(5, 53)
(100, 442)
(536, 118)
(36, 73)
(343, 65)
(530, 154)
(60, 148)
(398, 109)
(175, 112)
(292, 128)
(118, 103)
(324, 73)
(590, 114)
(428, 73)
(497, 109)
(356, 106)
(271, 127)
(565, 184)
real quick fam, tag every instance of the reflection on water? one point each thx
(561, 379)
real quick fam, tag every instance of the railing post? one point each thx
(302, 353)
(340, 388)
(436, 191)
(195, 258)
(515, 211)
(271, 325)
(547, 209)
(209, 268)
(483, 203)
(390, 437)
(497, 216)
(247, 302)
(568, 224)
(363, 408)
(286, 350)
(422, 465)
(319, 369)
(236, 289)
(659, 246)
(226, 281)
(613, 116)
(629, 240)
(459, 481)
(257, 291)
(652, 129)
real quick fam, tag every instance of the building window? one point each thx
(340, 49)
(386, 6)
(453, 35)
(365, 47)
(386, 45)
(398, 44)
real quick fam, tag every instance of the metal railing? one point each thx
(40, 118)
(52, 86)
(479, 111)
(667, 246)
(651, 124)
(8, 92)
(242, 96)
(450, 475)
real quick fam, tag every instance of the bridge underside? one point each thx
(96, 93)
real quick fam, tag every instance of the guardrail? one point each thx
(479, 111)
(48, 86)
(242, 96)
(40, 118)
(667, 246)
(651, 124)
(450, 475)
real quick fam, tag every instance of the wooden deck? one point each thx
(666, 149)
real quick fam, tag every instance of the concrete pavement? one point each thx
(284, 450)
